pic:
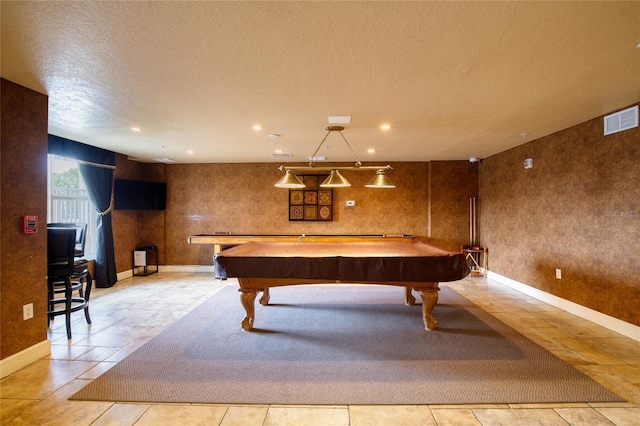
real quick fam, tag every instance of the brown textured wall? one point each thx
(241, 198)
(23, 191)
(133, 228)
(453, 183)
(577, 209)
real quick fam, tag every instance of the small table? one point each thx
(411, 263)
(145, 261)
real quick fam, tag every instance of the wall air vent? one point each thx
(621, 120)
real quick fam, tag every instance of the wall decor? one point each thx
(311, 203)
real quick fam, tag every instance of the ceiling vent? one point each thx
(339, 119)
(282, 155)
(621, 120)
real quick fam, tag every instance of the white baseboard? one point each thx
(614, 324)
(15, 362)
(124, 274)
(187, 268)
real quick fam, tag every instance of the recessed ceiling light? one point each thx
(190, 151)
(164, 160)
(385, 127)
(256, 127)
(274, 135)
(136, 129)
(371, 151)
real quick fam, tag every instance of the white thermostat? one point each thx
(350, 203)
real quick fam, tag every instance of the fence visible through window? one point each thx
(71, 204)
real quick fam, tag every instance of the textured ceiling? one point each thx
(454, 79)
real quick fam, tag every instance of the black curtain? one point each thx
(79, 151)
(96, 166)
(99, 182)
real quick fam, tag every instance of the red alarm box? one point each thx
(29, 224)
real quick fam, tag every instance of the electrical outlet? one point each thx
(559, 274)
(27, 311)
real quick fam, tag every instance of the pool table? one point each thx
(409, 263)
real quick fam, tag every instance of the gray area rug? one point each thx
(342, 345)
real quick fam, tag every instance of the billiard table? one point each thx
(410, 263)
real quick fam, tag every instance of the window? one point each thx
(67, 198)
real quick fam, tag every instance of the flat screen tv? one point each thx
(139, 195)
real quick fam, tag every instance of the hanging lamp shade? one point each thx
(335, 180)
(380, 180)
(289, 180)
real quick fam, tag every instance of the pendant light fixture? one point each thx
(290, 180)
(335, 179)
(380, 180)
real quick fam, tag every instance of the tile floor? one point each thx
(129, 314)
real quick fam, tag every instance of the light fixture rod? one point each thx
(358, 163)
(312, 162)
(283, 168)
(338, 129)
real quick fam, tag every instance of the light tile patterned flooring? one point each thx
(132, 312)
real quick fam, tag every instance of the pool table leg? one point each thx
(264, 300)
(409, 300)
(429, 300)
(247, 298)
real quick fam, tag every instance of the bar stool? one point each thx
(66, 276)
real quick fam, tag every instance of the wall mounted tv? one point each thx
(139, 195)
